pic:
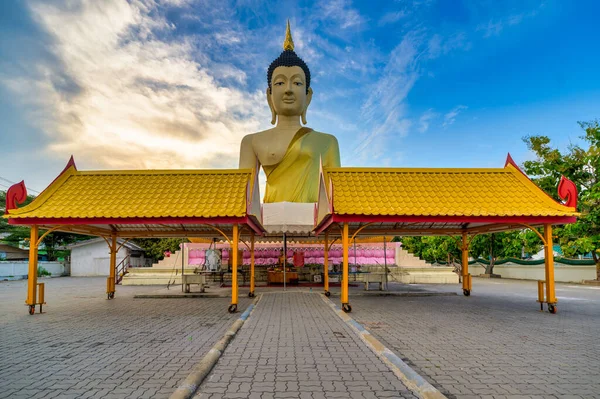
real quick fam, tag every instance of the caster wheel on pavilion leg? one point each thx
(31, 309)
(327, 293)
(251, 295)
(466, 292)
(347, 308)
(232, 309)
(552, 309)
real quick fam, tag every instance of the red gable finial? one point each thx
(70, 163)
(16, 194)
(567, 191)
(510, 161)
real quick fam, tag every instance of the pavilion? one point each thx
(352, 202)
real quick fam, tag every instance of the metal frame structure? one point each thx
(329, 221)
(231, 228)
(347, 226)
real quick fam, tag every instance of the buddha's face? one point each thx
(288, 95)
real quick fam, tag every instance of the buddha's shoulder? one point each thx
(324, 136)
(263, 134)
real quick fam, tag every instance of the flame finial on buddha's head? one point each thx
(288, 43)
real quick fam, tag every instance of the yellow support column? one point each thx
(110, 282)
(549, 263)
(33, 266)
(466, 277)
(326, 266)
(345, 303)
(234, 270)
(251, 293)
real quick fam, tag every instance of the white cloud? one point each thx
(391, 17)
(491, 28)
(439, 45)
(384, 109)
(426, 119)
(495, 26)
(450, 117)
(134, 100)
(341, 13)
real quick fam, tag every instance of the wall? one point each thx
(20, 269)
(562, 273)
(93, 259)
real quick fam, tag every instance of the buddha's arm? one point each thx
(247, 155)
(333, 155)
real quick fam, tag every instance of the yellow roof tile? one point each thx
(439, 192)
(142, 194)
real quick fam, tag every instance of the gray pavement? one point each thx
(87, 346)
(295, 346)
(495, 343)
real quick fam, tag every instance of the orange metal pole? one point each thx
(345, 265)
(466, 277)
(326, 266)
(234, 267)
(110, 286)
(549, 263)
(33, 266)
(251, 264)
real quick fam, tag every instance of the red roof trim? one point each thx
(16, 194)
(455, 219)
(511, 161)
(325, 223)
(254, 225)
(159, 220)
(567, 191)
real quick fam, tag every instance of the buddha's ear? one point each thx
(308, 99)
(270, 102)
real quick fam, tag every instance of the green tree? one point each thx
(156, 247)
(52, 241)
(580, 165)
(488, 246)
(433, 248)
(511, 244)
(17, 233)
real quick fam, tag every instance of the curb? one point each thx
(406, 294)
(184, 295)
(190, 385)
(413, 381)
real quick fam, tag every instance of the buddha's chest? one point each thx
(271, 149)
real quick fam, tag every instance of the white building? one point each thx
(92, 257)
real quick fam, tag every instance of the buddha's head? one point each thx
(288, 77)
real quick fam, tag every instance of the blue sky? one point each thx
(178, 83)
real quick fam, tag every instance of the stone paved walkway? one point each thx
(87, 346)
(495, 343)
(295, 346)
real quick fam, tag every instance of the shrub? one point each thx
(43, 272)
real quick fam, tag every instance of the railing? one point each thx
(121, 269)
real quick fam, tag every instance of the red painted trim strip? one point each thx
(511, 161)
(160, 220)
(254, 225)
(327, 221)
(455, 219)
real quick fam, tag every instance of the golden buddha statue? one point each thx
(289, 153)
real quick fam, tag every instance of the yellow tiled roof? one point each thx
(439, 192)
(142, 194)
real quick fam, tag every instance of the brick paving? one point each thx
(496, 343)
(87, 346)
(295, 346)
